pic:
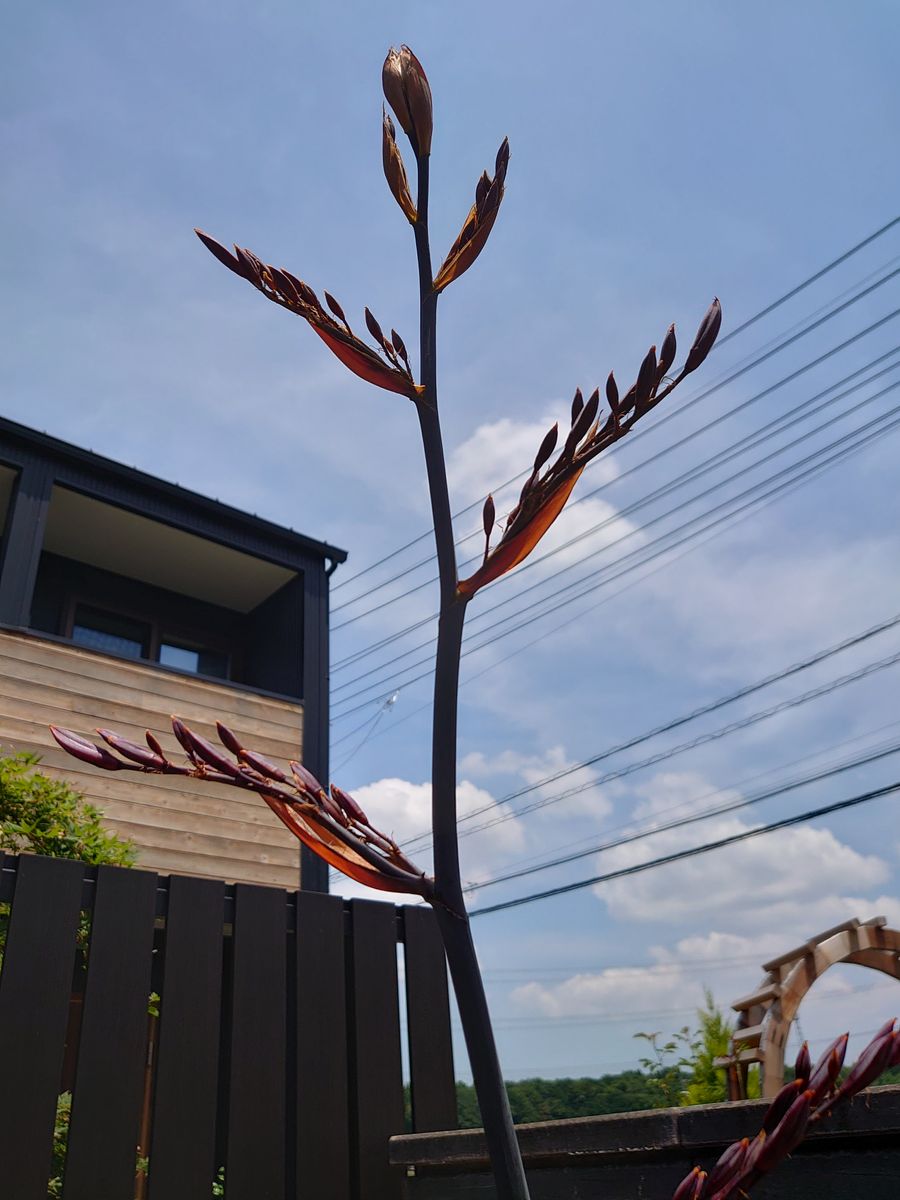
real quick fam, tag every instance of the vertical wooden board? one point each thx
(183, 1142)
(106, 1101)
(376, 1066)
(255, 1156)
(432, 1082)
(34, 1009)
(322, 1099)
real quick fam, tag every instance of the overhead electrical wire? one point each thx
(679, 722)
(826, 756)
(693, 543)
(348, 660)
(478, 532)
(423, 840)
(794, 416)
(758, 316)
(812, 463)
(693, 744)
(681, 409)
(690, 818)
(693, 851)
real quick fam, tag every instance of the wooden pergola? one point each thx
(766, 1014)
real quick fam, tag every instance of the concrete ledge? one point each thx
(646, 1153)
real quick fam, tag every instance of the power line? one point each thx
(421, 841)
(689, 544)
(798, 414)
(694, 851)
(742, 785)
(683, 408)
(764, 312)
(751, 496)
(682, 720)
(701, 740)
(669, 448)
(689, 819)
(479, 533)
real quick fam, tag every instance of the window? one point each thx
(110, 632)
(127, 637)
(195, 659)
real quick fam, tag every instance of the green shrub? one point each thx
(40, 815)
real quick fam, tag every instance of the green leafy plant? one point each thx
(48, 816)
(682, 1069)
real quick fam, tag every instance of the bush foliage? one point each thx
(39, 815)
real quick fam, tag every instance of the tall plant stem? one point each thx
(453, 920)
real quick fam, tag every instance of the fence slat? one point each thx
(255, 1162)
(183, 1143)
(432, 1082)
(376, 1070)
(34, 1007)
(106, 1100)
(323, 1145)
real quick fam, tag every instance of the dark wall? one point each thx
(265, 646)
(274, 641)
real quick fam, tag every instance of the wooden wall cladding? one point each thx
(178, 825)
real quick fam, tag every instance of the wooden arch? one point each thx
(765, 1016)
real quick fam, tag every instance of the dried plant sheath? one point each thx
(408, 92)
(477, 225)
(394, 170)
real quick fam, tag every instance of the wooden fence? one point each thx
(276, 1053)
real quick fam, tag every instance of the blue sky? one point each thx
(661, 154)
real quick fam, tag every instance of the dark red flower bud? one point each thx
(305, 778)
(705, 339)
(81, 748)
(786, 1135)
(803, 1064)
(139, 754)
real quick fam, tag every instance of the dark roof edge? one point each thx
(55, 447)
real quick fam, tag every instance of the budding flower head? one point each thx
(407, 91)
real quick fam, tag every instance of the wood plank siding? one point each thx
(178, 825)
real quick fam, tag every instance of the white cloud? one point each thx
(759, 882)
(609, 993)
(532, 768)
(749, 604)
(403, 809)
(500, 450)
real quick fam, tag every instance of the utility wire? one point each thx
(497, 492)
(690, 818)
(677, 856)
(693, 544)
(764, 312)
(680, 410)
(669, 448)
(681, 720)
(752, 495)
(801, 412)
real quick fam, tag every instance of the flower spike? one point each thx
(390, 372)
(331, 823)
(544, 496)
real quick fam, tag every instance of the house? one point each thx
(125, 599)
